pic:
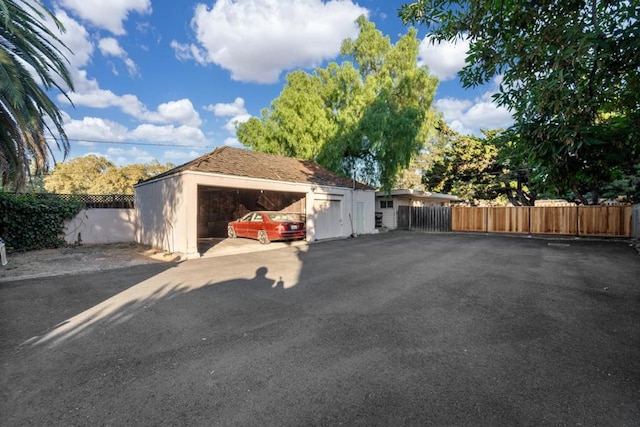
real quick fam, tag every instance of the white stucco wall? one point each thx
(390, 215)
(322, 221)
(93, 226)
(159, 206)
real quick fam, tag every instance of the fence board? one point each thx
(604, 220)
(508, 220)
(554, 220)
(431, 218)
(469, 219)
(635, 218)
(601, 221)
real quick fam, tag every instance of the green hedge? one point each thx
(28, 223)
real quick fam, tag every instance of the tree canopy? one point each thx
(465, 165)
(97, 175)
(365, 117)
(26, 112)
(570, 74)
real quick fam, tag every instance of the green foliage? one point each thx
(29, 58)
(366, 118)
(28, 222)
(466, 166)
(570, 74)
(96, 175)
(626, 186)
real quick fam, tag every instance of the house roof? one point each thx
(252, 164)
(416, 194)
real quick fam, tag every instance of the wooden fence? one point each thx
(602, 221)
(430, 218)
(635, 229)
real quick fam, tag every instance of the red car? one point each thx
(267, 226)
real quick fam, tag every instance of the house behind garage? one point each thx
(197, 199)
(394, 206)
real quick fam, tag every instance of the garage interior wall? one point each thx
(217, 206)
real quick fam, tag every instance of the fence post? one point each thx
(486, 220)
(3, 254)
(577, 220)
(635, 223)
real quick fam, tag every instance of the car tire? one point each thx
(231, 232)
(263, 238)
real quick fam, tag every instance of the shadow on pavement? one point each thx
(395, 329)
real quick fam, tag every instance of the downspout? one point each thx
(353, 202)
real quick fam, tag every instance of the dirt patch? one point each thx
(77, 259)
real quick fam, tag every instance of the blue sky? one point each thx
(167, 80)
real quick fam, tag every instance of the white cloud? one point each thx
(233, 109)
(77, 40)
(180, 156)
(232, 124)
(89, 94)
(451, 108)
(256, 40)
(185, 52)
(77, 50)
(108, 15)
(233, 142)
(122, 156)
(90, 130)
(236, 110)
(182, 135)
(109, 46)
(95, 129)
(180, 111)
(469, 117)
(131, 67)
(444, 59)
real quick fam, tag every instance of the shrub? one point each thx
(28, 223)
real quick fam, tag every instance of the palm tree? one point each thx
(31, 62)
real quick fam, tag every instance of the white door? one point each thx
(327, 218)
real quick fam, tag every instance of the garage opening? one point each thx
(218, 205)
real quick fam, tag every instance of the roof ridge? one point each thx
(245, 162)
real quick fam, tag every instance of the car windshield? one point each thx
(279, 216)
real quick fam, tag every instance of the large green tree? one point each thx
(466, 166)
(93, 174)
(28, 45)
(570, 75)
(365, 117)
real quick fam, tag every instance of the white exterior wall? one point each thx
(99, 226)
(160, 205)
(390, 215)
(349, 221)
(368, 199)
(168, 208)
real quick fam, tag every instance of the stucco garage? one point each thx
(197, 199)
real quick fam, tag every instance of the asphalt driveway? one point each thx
(392, 329)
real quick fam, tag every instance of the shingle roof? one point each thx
(253, 164)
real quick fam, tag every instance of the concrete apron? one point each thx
(215, 247)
